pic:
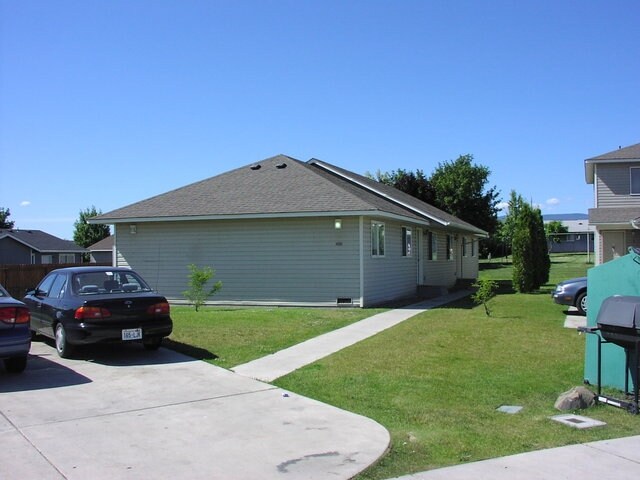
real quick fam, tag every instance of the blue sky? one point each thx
(107, 103)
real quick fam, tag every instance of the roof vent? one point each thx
(257, 166)
(281, 165)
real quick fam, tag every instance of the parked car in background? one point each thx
(15, 336)
(88, 305)
(572, 292)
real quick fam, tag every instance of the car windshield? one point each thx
(107, 282)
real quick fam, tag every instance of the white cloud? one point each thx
(503, 206)
(25, 203)
(553, 202)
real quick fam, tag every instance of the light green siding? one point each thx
(279, 261)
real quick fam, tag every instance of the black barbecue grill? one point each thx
(619, 323)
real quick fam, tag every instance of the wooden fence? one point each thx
(16, 279)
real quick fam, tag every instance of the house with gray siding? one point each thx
(35, 247)
(286, 232)
(101, 251)
(615, 177)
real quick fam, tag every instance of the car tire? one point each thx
(62, 345)
(15, 364)
(152, 343)
(581, 303)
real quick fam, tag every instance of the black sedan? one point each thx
(87, 305)
(572, 292)
(15, 337)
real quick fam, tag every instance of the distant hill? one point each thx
(560, 217)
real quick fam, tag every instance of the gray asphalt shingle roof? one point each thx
(626, 154)
(42, 241)
(281, 185)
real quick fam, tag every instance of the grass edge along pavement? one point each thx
(436, 380)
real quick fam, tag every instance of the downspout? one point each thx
(361, 235)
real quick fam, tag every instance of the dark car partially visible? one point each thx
(88, 305)
(15, 336)
(572, 292)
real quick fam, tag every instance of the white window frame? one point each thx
(377, 239)
(635, 170)
(407, 242)
(66, 258)
(450, 248)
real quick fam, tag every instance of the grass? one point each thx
(231, 336)
(436, 380)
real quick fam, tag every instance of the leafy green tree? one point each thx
(85, 234)
(554, 231)
(198, 278)
(4, 219)
(460, 188)
(414, 184)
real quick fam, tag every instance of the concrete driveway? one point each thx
(127, 413)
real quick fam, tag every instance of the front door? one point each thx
(613, 245)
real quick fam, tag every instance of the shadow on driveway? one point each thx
(41, 373)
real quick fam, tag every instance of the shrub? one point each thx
(486, 291)
(198, 278)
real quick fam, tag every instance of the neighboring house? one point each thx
(616, 217)
(286, 232)
(579, 237)
(102, 251)
(35, 247)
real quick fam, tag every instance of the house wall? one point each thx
(14, 253)
(101, 257)
(271, 261)
(393, 275)
(613, 186)
(439, 272)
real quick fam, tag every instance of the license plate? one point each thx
(132, 334)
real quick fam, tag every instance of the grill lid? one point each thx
(620, 311)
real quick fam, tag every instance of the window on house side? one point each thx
(634, 174)
(464, 247)
(67, 258)
(406, 242)
(432, 246)
(46, 259)
(473, 247)
(377, 239)
(449, 248)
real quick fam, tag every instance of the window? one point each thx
(464, 247)
(67, 258)
(45, 285)
(473, 247)
(406, 242)
(634, 173)
(57, 289)
(449, 248)
(377, 239)
(46, 259)
(432, 246)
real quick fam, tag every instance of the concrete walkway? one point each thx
(278, 364)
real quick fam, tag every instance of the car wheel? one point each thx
(15, 364)
(581, 303)
(62, 345)
(152, 343)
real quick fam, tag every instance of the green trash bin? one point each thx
(620, 276)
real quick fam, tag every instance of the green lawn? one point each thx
(231, 336)
(436, 380)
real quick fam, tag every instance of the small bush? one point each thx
(198, 278)
(486, 291)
